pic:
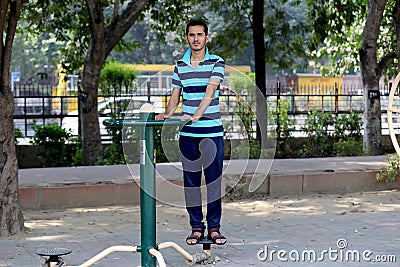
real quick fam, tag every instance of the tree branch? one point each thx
(116, 8)
(96, 18)
(3, 14)
(384, 60)
(121, 24)
(13, 17)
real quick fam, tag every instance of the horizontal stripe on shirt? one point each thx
(201, 135)
(196, 103)
(217, 75)
(206, 123)
(202, 130)
(192, 110)
(197, 96)
(208, 116)
(196, 89)
(196, 75)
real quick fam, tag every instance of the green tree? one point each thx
(275, 29)
(115, 78)
(91, 30)
(148, 49)
(359, 35)
(11, 218)
(284, 34)
(33, 54)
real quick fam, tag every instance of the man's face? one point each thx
(196, 37)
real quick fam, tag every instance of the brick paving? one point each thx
(302, 225)
(337, 227)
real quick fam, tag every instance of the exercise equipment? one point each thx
(390, 111)
(149, 249)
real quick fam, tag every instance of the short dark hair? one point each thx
(197, 22)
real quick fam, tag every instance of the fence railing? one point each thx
(43, 108)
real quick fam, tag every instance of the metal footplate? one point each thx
(53, 254)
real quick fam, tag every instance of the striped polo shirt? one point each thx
(193, 83)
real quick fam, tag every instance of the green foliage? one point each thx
(242, 84)
(246, 115)
(347, 136)
(245, 89)
(336, 33)
(247, 150)
(32, 53)
(348, 148)
(286, 124)
(59, 148)
(348, 126)
(285, 34)
(17, 134)
(67, 21)
(329, 135)
(391, 172)
(77, 156)
(117, 77)
(318, 129)
(179, 13)
(114, 154)
(167, 145)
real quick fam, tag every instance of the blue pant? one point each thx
(202, 154)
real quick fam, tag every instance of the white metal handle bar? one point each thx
(390, 112)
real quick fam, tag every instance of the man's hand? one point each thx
(161, 116)
(191, 118)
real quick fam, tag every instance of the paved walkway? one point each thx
(342, 230)
(348, 229)
(119, 173)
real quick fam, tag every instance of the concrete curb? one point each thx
(113, 185)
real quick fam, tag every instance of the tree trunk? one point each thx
(11, 219)
(92, 149)
(259, 55)
(103, 40)
(370, 73)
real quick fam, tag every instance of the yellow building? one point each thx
(314, 84)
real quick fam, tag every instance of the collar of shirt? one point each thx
(186, 56)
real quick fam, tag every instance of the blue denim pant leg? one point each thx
(198, 154)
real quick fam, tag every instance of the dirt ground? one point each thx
(111, 218)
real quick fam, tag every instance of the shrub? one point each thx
(115, 77)
(114, 154)
(53, 139)
(330, 135)
(391, 172)
(318, 129)
(348, 148)
(17, 134)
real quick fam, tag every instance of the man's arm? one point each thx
(172, 105)
(205, 102)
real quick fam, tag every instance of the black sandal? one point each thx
(194, 237)
(216, 237)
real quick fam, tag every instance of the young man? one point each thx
(198, 76)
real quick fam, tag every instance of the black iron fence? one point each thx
(37, 105)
